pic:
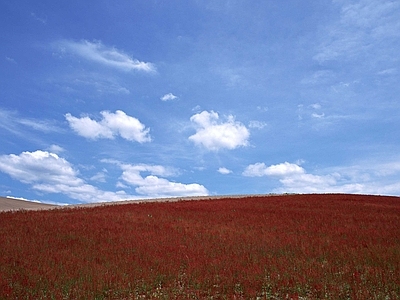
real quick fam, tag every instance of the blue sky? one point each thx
(109, 100)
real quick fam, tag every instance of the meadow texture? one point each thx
(265, 247)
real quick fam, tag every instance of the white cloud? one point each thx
(292, 177)
(379, 178)
(30, 167)
(160, 187)
(109, 56)
(99, 177)
(215, 135)
(154, 186)
(283, 169)
(168, 97)
(224, 171)
(112, 124)
(56, 149)
(257, 124)
(318, 116)
(49, 173)
(316, 106)
(89, 128)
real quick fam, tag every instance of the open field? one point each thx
(262, 247)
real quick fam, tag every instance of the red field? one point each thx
(272, 247)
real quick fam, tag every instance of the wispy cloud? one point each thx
(56, 149)
(214, 135)
(13, 122)
(318, 117)
(108, 56)
(365, 29)
(10, 59)
(39, 125)
(257, 124)
(112, 124)
(102, 84)
(99, 177)
(41, 19)
(389, 71)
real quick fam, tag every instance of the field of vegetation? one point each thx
(265, 247)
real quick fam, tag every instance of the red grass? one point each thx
(273, 247)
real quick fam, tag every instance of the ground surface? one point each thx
(16, 204)
(7, 204)
(303, 246)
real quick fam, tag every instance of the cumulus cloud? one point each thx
(151, 185)
(48, 173)
(112, 124)
(30, 167)
(108, 56)
(168, 97)
(214, 135)
(283, 169)
(293, 178)
(366, 179)
(224, 171)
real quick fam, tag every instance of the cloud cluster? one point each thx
(295, 179)
(49, 173)
(215, 135)
(152, 185)
(358, 179)
(148, 181)
(112, 124)
(108, 56)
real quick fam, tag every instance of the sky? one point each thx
(112, 100)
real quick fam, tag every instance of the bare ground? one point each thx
(7, 204)
(10, 204)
